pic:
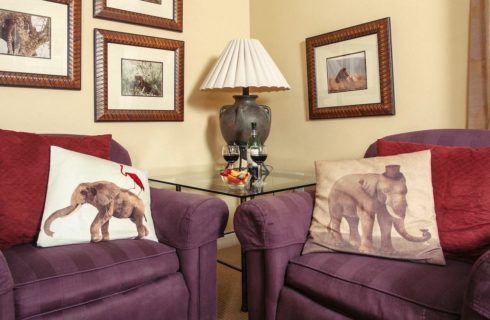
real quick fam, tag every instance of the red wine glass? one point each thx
(259, 155)
(230, 153)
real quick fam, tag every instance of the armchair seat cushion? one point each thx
(380, 288)
(56, 278)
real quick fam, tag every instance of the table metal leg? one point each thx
(244, 283)
(244, 274)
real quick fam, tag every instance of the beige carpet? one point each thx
(229, 286)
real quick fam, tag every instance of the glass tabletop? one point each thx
(210, 181)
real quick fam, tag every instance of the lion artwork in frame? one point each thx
(350, 72)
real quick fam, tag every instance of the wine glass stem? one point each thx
(259, 173)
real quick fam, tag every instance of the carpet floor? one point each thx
(229, 286)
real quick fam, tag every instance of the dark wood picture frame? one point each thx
(103, 112)
(101, 10)
(386, 103)
(73, 78)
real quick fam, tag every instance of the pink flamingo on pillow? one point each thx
(135, 179)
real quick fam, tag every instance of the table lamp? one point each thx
(245, 64)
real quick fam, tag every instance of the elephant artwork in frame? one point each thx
(379, 206)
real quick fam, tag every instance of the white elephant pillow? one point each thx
(380, 206)
(91, 199)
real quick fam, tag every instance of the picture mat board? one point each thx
(58, 64)
(369, 44)
(115, 52)
(164, 10)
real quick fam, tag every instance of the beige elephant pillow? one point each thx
(91, 199)
(380, 206)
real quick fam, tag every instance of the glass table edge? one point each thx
(233, 192)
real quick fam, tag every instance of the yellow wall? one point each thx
(194, 142)
(429, 46)
(429, 42)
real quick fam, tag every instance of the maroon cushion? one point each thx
(461, 184)
(24, 160)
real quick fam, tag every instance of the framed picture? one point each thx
(350, 72)
(138, 78)
(164, 14)
(40, 43)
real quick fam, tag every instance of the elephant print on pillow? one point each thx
(110, 201)
(363, 198)
(377, 206)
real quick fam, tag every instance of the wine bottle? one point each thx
(253, 146)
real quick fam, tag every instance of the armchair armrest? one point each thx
(477, 295)
(272, 230)
(274, 222)
(186, 221)
(7, 310)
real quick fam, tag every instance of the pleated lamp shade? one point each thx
(245, 63)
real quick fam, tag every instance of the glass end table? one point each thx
(210, 181)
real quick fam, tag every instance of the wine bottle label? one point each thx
(254, 171)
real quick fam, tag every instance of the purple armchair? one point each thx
(283, 284)
(174, 278)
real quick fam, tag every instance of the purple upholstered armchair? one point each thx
(174, 278)
(283, 284)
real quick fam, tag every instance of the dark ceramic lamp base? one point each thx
(235, 120)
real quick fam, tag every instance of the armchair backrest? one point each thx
(119, 154)
(445, 137)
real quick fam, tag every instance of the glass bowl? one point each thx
(235, 182)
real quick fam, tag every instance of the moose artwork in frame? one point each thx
(138, 78)
(350, 72)
(40, 43)
(164, 14)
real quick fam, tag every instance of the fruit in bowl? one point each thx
(235, 178)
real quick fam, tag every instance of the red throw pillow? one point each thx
(24, 163)
(461, 185)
